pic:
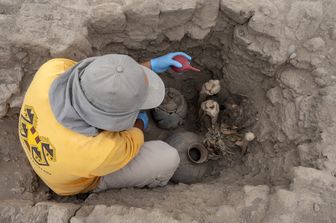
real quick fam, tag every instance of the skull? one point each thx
(211, 108)
(211, 87)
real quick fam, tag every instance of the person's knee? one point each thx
(169, 157)
(173, 156)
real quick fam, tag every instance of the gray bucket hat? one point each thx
(105, 92)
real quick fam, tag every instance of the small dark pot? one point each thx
(170, 117)
(194, 156)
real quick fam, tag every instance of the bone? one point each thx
(211, 108)
(211, 87)
(248, 137)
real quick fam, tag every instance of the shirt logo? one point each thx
(39, 147)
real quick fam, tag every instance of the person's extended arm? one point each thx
(164, 63)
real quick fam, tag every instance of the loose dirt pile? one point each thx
(280, 54)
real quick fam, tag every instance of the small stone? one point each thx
(16, 102)
(320, 82)
(314, 44)
(316, 207)
(62, 212)
(17, 190)
(6, 158)
(3, 109)
(319, 72)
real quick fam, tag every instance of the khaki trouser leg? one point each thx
(154, 165)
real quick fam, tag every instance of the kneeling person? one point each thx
(81, 124)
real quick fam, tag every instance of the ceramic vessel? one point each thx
(173, 110)
(193, 166)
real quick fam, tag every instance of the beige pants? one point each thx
(154, 165)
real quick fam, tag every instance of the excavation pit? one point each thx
(267, 51)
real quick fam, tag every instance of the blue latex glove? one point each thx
(164, 63)
(144, 118)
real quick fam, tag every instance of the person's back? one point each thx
(68, 162)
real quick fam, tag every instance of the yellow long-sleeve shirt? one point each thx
(68, 162)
